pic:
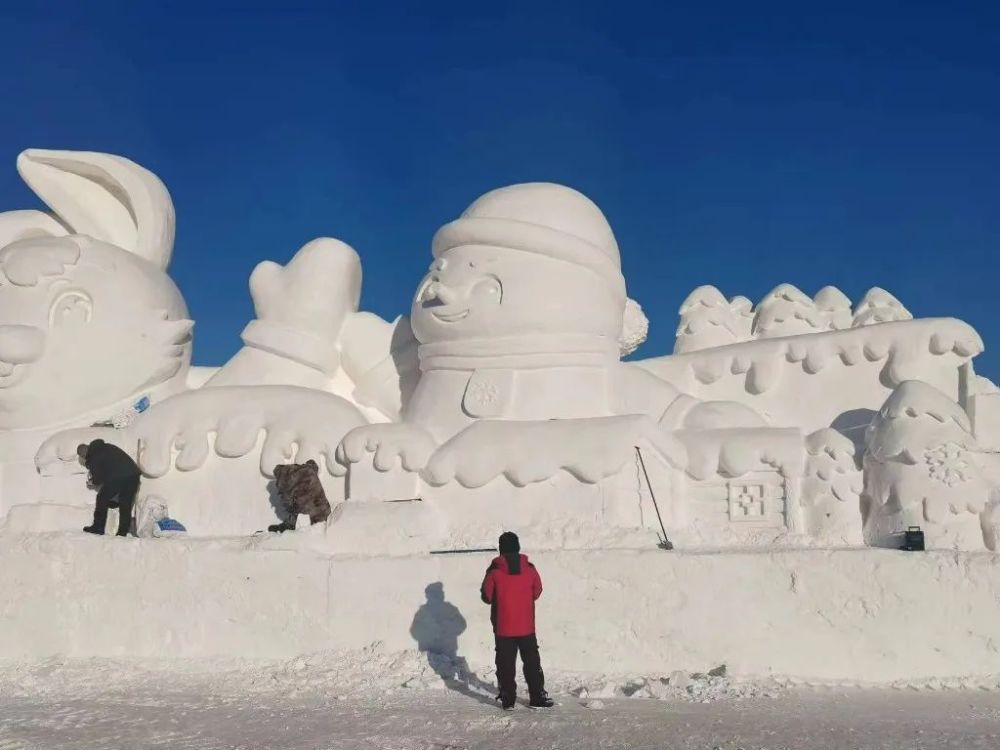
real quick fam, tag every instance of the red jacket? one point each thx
(511, 595)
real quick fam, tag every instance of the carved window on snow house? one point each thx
(747, 502)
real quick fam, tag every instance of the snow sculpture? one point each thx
(708, 319)
(519, 321)
(786, 311)
(984, 405)
(91, 323)
(831, 489)
(79, 294)
(309, 333)
(635, 328)
(502, 400)
(835, 307)
(878, 306)
(130, 350)
(921, 469)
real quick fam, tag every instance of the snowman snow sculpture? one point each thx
(519, 321)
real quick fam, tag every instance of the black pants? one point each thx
(531, 663)
(116, 493)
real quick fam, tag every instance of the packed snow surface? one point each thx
(856, 617)
(406, 701)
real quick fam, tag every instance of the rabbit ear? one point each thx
(22, 225)
(106, 197)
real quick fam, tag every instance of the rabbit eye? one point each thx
(71, 307)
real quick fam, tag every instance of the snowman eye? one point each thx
(489, 287)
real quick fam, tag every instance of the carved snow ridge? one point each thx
(733, 453)
(528, 452)
(181, 432)
(900, 344)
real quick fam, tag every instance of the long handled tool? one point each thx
(462, 551)
(665, 543)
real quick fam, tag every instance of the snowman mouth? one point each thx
(451, 317)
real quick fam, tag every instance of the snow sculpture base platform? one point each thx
(864, 615)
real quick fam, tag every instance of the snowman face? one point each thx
(460, 294)
(479, 291)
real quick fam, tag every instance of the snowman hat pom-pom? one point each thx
(635, 328)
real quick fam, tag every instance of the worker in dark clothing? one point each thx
(511, 586)
(116, 477)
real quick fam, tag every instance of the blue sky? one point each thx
(739, 144)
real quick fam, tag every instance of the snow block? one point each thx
(857, 615)
(391, 528)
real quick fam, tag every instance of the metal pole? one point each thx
(462, 551)
(666, 542)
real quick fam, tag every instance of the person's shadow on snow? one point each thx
(436, 628)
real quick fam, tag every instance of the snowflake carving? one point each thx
(946, 464)
(486, 394)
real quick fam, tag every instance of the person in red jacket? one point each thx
(511, 586)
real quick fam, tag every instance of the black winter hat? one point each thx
(509, 543)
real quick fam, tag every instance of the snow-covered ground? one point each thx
(406, 701)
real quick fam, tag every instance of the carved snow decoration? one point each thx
(786, 311)
(106, 197)
(991, 521)
(948, 464)
(919, 470)
(835, 307)
(86, 286)
(743, 308)
(708, 320)
(748, 502)
(635, 328)
(831, 489)
(500, 400)
(878, 306)
(901, 350)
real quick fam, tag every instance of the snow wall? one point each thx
(863, 615)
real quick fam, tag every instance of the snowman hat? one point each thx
(542, 218)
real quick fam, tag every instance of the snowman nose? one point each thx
(437, 290)
(427, 293)
(443, 293)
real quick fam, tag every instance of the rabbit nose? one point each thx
(20, 345)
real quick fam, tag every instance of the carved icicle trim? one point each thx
(903, 345)
(181, 432)
(733, 453)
